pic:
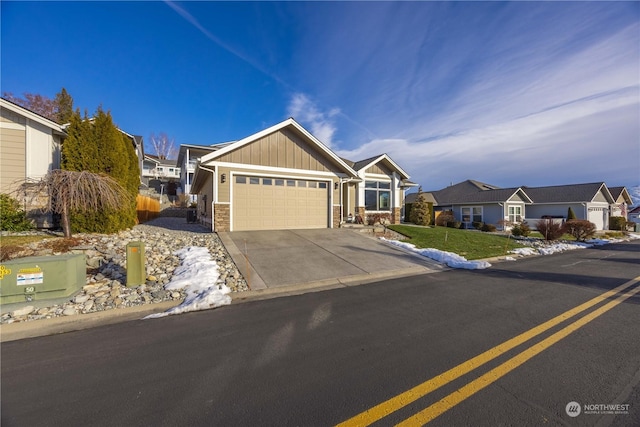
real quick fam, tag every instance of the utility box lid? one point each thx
(44, 277)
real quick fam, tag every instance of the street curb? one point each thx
(59, 325)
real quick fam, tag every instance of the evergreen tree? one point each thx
(63, 106)
(420, 213)
(98, 146)
(570, 214)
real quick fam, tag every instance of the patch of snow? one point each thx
(197, 275)
(449, 258)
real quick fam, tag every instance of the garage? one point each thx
(276, 203)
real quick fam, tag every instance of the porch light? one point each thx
(223, 178)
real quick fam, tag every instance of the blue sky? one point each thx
(523, 93)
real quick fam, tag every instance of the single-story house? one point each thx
(474, 201)
(283, 177)
(590, 201)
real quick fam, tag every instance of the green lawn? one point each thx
(470, 244)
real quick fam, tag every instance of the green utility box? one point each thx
(43, 277)
(136, 272)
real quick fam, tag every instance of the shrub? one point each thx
(550, 229)
(581, 229)
(521, 229)
(477, 225)
(617, 223)
(444, 218)
(420, 212)
(488, 228)
(378, 219)
(454, 224)
(12, 218)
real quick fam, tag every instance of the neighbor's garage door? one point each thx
(263, 203)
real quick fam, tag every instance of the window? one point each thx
(313, 184)
(322, 185)
(472, 214)
(241, 179)
(291, 183)
(302, 183)
(280, 182)
(515, 214)
(377, 195)
(266, 181)
(254, 181)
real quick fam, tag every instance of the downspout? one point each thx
(213, 173)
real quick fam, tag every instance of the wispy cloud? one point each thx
(321, 123)
(254, 64)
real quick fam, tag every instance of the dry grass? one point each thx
(12, 247)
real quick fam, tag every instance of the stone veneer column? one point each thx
(395, 216)
(336, 217)
(221, 220)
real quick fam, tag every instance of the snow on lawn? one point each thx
(197, 275)
(448, 258)
(540, 248)
(548, 248)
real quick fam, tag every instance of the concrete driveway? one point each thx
(269, 259)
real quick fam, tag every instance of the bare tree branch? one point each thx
(163, 146)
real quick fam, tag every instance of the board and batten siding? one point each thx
(379, 168)
(282, 149)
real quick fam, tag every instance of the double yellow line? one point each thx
(385, 408)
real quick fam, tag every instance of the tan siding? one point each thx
(600, 197)
(380, 169)
(223, 188)
(282, 149)
(12, 158)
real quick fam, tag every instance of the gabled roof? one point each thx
(367, 163)
(290, 122)
(617, 192)
(457, 193)
(5, 103)
(411, 198)
(572, 193)
(499, 195)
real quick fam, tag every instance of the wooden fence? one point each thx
(147, 208)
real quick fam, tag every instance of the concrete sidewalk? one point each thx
(271, 259)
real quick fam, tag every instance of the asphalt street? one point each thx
(324, 358)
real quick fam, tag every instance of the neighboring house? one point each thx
(30, 147)
(588, 201)
(285, 178)
(634, 215)
(621, 201)
(473, 201)
(188, 157)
